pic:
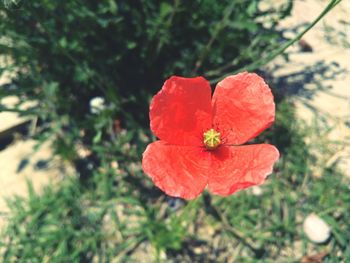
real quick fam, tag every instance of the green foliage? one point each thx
(65, 53)
(124, 50)
(110, 220)
(59, 225)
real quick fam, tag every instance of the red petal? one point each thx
(242, 107)
(179, 171)
(238, 167)
(181, 111)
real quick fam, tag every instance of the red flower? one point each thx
(199, 135)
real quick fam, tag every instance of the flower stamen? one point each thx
(211, 139)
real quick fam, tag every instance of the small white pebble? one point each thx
(316, 229)
(97, 105)
(257, 190)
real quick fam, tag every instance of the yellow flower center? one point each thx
(211, 139)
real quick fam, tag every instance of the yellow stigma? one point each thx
(211, 139)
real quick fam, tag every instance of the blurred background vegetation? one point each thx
(66, 53)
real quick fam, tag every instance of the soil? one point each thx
(317, 76)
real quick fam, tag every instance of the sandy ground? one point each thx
(319, 82)
(19, 163)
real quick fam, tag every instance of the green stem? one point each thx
(279, 51)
